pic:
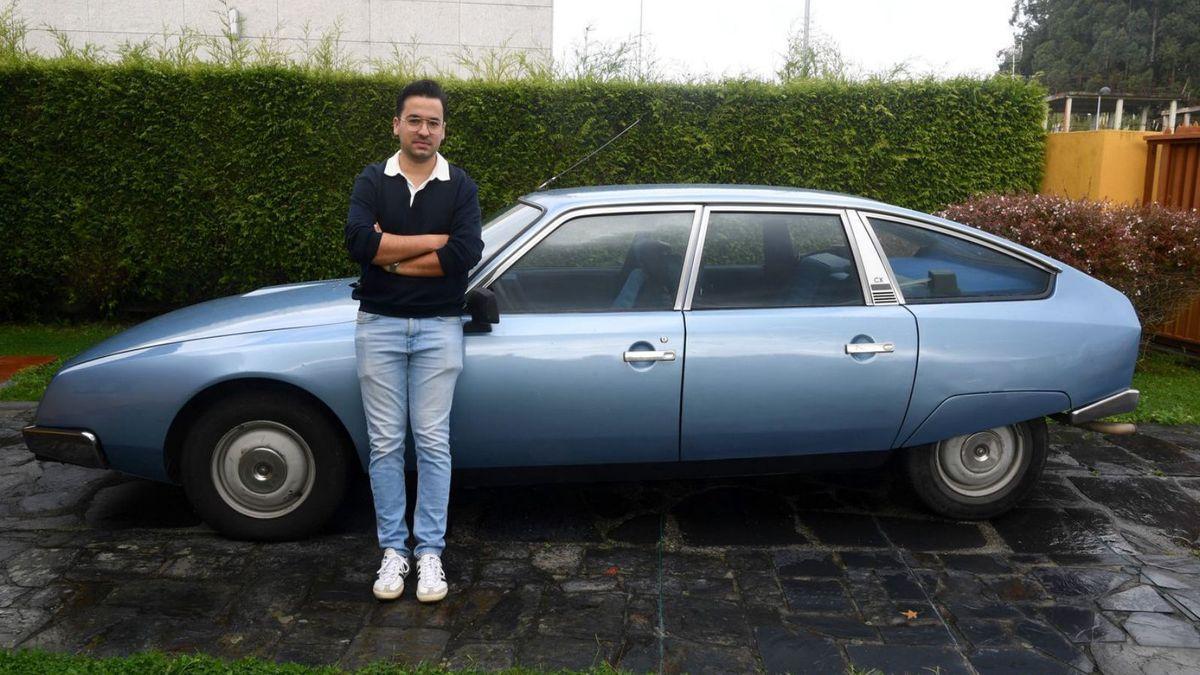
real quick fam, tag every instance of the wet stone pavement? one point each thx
(1098, 571)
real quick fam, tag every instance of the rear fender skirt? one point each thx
(967, 413)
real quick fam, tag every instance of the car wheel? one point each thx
(264, 467)
(981, 474)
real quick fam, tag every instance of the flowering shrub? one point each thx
(1149, 253)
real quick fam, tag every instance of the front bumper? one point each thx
(70, 446)
(1121, 402)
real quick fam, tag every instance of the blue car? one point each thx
(653, 330)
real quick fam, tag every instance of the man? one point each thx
(414, 227)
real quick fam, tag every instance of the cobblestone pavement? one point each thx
(1097, 571)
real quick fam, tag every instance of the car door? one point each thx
(586, 364)
(786, 353)
(996, 342)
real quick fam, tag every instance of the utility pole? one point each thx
(641, 16)
(807, 55)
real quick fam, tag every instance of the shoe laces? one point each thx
(429, 568)
(392, 568)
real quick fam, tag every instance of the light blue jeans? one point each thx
(407, 369)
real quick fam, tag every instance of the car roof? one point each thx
(561, 199)
(614, 195)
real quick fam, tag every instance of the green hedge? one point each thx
(34, 662)
(127, 189)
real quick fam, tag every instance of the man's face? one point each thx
(420, 127)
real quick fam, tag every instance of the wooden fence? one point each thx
(1184, 328)
(1173, 180)
(1173, 169)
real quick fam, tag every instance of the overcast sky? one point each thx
(734, 37)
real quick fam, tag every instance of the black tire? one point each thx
(284, 470)
(933, 473)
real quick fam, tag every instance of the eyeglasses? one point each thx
(415, 123)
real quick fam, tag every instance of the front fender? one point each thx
(129, 400)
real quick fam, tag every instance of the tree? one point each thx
(821, 58)
(1147, 46)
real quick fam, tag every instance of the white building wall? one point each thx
(435, 32)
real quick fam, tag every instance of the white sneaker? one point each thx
(392, 571)
(431, 580)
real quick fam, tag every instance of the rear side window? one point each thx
(931, 267)
(762, 259)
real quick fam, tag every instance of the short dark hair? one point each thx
(427, 89)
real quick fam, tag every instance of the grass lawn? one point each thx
(36, 662)
(1170, 384)
(32, 662)
(28, 662)
(50, 340)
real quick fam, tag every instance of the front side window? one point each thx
(761, 259)
(504, 227)
(931, 266)
(601, 263)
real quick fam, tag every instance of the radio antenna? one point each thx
(587, 156)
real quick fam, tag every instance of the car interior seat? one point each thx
(649, 275)
(779, 264)
(825, 278)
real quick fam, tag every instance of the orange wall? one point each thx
(1101, 165)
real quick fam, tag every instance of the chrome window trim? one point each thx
(1009, 251)
(479, 272)
(694, 273)
(879, 258)
(687, 277)
(694, 263)
(508, 258)
(887, 266)
(871, 268)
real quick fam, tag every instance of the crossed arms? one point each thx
(419, 255)
(410, 255)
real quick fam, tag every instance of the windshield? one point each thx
(503, 228)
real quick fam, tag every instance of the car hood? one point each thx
(271, 308)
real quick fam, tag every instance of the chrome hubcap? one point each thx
(263, 469)
(982, 463)
(980, 453)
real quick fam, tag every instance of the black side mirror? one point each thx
(481, 304)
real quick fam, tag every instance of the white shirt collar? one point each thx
(441, 168)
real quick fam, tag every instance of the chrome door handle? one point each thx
(870, 348)
(643, 356)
